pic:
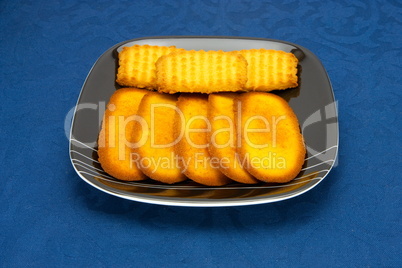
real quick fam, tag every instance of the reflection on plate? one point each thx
(313, 102)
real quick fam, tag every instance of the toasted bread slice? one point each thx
(272, 147)
(269, 69)
(223, 137)
(115, 137)
(156, 154)
(192, 149)
(137, 65)
(201, 71)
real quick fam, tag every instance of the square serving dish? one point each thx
(313, 102)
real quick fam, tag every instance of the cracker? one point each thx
(270, 69)
(137, 65)
(201, 71)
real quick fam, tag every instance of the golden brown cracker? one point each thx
(201, 71)
(137, 65)
(270, 69)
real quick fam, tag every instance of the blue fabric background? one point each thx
(50, 217)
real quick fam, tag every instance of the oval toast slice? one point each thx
(223, 137)
(192, 149)
(115, 137)
(272, 147)
(156, 157)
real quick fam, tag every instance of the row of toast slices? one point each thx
(211, 139)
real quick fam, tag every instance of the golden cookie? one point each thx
(201, 71)
(192, 149)
(272, 147)
(115, 138)
(223, 137)
(137, 65)
(156, 157)
(270, 69)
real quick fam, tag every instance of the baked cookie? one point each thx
(201, 71)
(156, 157)
(192, 149)
(271, 145)
(115, 138)
(269, 69)
(137, 65)
(223, 137)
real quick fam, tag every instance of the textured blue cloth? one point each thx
(50, 217)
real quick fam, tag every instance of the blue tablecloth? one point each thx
(50, 217)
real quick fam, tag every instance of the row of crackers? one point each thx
(171, 69)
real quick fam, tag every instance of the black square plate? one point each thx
(313, 102)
